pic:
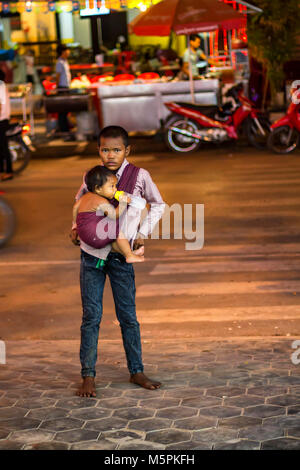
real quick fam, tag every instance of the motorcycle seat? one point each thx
(208, 110)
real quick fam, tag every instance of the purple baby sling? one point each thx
(87, 222)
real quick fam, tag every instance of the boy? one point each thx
(97, 263)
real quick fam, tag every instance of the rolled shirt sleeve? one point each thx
(148, 190)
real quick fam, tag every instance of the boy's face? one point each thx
(109, 188)
(113, 152)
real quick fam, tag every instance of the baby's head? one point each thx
(101, 181)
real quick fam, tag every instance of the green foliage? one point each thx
(272, 34)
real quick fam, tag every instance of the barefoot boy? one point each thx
(97, 263)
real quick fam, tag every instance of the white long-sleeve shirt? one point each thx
(144, 187)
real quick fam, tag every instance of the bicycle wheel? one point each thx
(20, 155)
(7, 222)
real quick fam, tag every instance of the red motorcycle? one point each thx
(191, 125)
(284, 135)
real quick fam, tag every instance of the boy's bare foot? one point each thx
(87, 388)
(140, 251)
(141, 379)
(134, 258)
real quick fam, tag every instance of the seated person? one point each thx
(102, 186)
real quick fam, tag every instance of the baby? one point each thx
(102, 185)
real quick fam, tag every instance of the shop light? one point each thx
(5, 7)
(28, 6)
(142, 6)
(51, 5)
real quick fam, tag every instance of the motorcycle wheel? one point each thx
(180, 143)
(7, 222)
(254, 135)
(282, 140)
(20, 155)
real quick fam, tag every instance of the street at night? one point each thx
(218, 322)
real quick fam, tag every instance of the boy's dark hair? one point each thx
(97, 176)
(114, 131)
(194, 36)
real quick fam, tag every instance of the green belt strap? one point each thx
(100, 262)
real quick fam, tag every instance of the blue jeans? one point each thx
(122, 280)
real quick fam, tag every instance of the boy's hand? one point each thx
(139, 241)
(74, 237)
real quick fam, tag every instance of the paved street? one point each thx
(217, 324)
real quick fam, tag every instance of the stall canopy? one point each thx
(186, 17)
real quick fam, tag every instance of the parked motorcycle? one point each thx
(20, 146)
(191, 125)
(7, 221)
(284, 135)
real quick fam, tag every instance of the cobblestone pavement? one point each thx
(216, 394)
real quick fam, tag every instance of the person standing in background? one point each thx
(63, 80)
(5, 158)
(29, 61)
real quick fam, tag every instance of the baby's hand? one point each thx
(125, 199)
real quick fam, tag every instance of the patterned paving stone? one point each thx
(159, 403)
(141, 393)
(120, 435)
(123, 386)
(211, 436)
(291, 380)
(102, 444)
(206, 382)
(108, 393)
(62, 424)
(134, 413)
(184, 393)
(10, 445)
(283, 421)
(140, 445)
(47, 413)
(293, 432)
(264, 411)
(12, 412)
(292, 410)
(34, 435)
(285, 443)
(168, 436)
(4, 433)
(116, 403)
(106, 424)
(225, 391)
(77, 435)
(267, 391)
(254, 365)
(90, 413)
(195, 423)
(239, 422)
(202, 401)
(221, 411)
(150, 424)
(284, 400)
(244, 400)
(177, 412)
(76, 402)
(191, 445)
(229, 373)
(248, 382)
(238, 445)
(30, 403)
(63, 394)
(261, 433)
(20, 423)
(6, 401)
(53, 445)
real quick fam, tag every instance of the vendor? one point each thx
(63, 80)
(196, 55)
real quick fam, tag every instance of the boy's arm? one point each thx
(75, 211)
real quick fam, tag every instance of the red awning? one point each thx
(186, 17)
